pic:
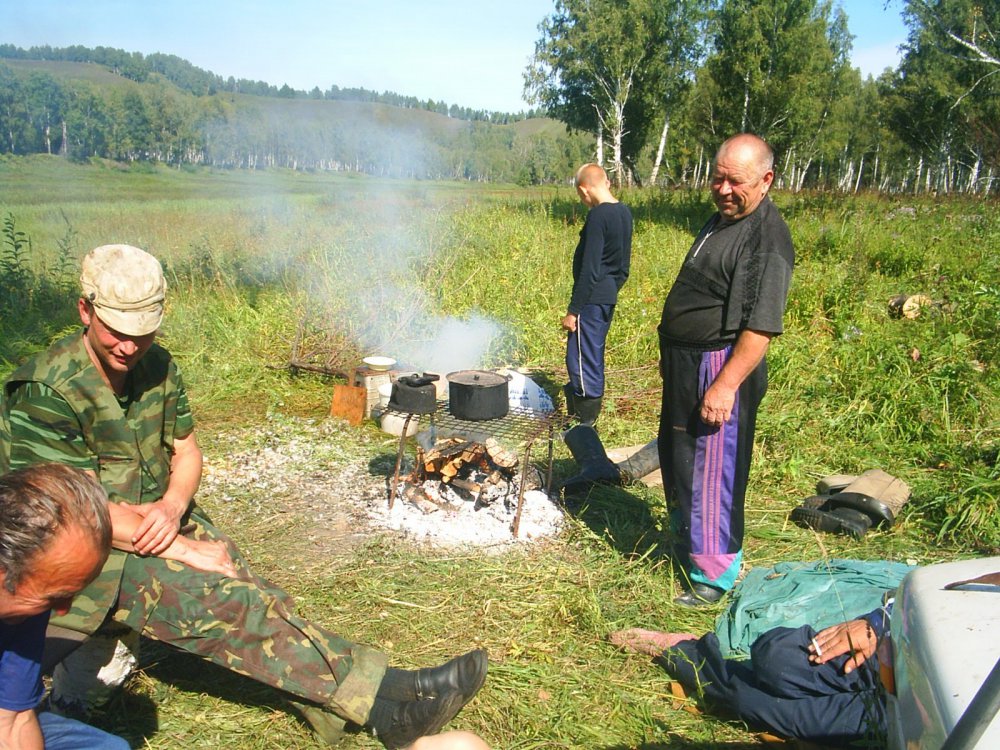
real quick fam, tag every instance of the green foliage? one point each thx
(654, 83)
(34, 297)
(943, 99)
(610, 67)
(47, 108)
(778, 67)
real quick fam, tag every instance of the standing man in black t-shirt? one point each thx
(600, 268)
(718, 319)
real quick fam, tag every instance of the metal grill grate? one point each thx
(519, 430)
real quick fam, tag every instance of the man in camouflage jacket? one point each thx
(111, 402)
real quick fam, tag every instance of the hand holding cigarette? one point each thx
(854, 637)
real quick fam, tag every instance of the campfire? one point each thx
(455, 471)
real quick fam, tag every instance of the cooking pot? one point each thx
(414, 394)
(477, 394)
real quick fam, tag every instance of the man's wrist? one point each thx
(178, 504)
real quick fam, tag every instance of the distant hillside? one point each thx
(94, 109)
(139, 68)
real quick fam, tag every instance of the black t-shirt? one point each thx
(603, 255)
(735, 276)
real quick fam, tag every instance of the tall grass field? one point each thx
(269, 269)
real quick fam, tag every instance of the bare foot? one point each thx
(651, 642)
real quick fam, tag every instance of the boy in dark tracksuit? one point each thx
(600, 268)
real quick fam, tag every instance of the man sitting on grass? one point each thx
(55, 535)
(108, 400)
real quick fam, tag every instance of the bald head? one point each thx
(593, 185)
(590, 175)
(748, 149)
(742, 172)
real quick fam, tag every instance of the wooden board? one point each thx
(349, 403)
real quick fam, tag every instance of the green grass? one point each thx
(258, 262)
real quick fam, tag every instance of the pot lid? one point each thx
(476, 377)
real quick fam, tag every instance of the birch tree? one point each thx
(945, 97)
(778, 67)
(598, 67)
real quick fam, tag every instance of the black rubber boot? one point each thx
(644, 461)
(836, 521)
(570, 396)
(595, 466)
(588, 409)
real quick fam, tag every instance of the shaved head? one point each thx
(742, 172)
(590, 175)
(748, 149)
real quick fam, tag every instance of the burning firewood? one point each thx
(486, 470)
(417, 496)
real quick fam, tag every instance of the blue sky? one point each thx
(465, 52)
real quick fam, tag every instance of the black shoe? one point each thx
(700, 595)
(411, 720)
(464, 674)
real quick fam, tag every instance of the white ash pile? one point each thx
(464, 492)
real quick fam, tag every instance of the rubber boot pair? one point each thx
(585, 410)
(852, 505)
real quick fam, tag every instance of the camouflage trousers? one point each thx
(248, 625)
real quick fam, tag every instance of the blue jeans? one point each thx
(60, 733)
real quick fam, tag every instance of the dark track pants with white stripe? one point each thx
(585, 350)
(705, 469)
(780, 690)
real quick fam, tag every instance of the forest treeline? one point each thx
(646, 87)
(116, 110)
(139, 68)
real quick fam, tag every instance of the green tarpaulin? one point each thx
(792, 594)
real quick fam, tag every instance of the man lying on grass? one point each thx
(110, 401)
(821, 687)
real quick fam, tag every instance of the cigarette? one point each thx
(819, 651)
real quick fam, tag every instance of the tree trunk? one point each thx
(659, 150)
(616, 165)
(974, 175)
(746, 103)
